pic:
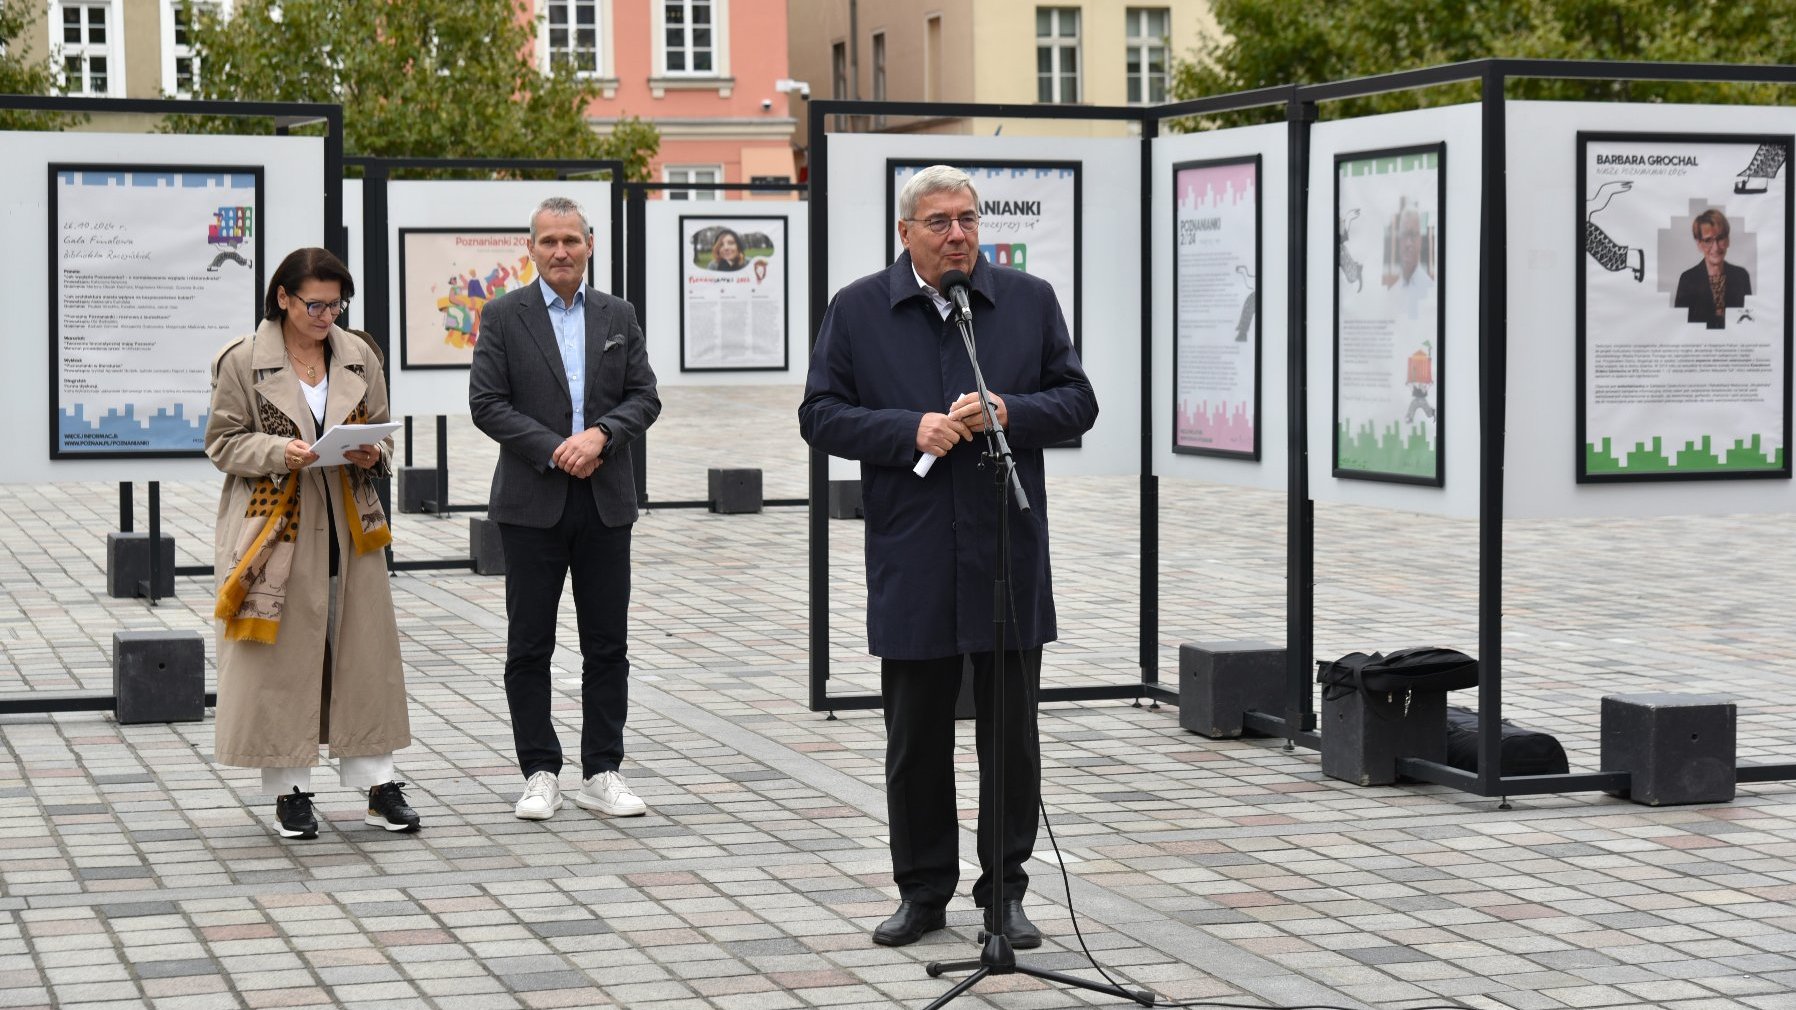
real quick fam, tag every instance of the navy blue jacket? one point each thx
(884, 358)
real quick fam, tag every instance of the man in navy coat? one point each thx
(889, 380)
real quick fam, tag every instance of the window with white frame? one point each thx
(688, 37)
(1057, 54)
(1148, 30)
(690, 174)
(180, 65)
(572, 35)
(879, 67)
(84, 35)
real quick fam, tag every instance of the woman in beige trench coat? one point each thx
(308, 646)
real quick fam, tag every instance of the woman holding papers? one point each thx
(308, 647)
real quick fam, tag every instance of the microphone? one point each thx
(954, 284)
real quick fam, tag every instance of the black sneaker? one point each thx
(293, 816)
(387, 808)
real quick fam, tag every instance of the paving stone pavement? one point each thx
(135, 873)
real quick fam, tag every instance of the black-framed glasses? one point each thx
(317, 309)
(940, 223)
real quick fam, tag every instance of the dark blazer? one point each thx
(1693, 293)
(884, 357)
(517, 392)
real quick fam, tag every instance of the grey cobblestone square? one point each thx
(133, 872)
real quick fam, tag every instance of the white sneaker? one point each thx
(608, 793)
(542, 797)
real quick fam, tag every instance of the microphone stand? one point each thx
(996, 956)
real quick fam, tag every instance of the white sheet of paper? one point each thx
(333, 443)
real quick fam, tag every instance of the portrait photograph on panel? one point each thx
(155, 268)
(1389, 314)
(1216, 270)
(446, 277)
(1028, 220)
(733, 294)
(1683, 307)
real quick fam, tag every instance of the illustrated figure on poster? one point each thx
(230, 228)
(1350, 267)
(1249, 306)
(1409, 279)
(1421, 377)
(760, 270)
(467, 298)
(726, 251)
(1765, 163)
(1708, 289)
(1610, 254)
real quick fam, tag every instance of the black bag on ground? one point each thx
(1523, 751)
(1419, 669)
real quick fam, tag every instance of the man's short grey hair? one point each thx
(934, 179)
(560, 206)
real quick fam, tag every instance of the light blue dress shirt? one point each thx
(570, 335)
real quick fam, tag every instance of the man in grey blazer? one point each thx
(561, 380)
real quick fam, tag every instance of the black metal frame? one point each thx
(286, 115)
(1148, 119)
(1493, 385)
(1259, 246)
(636, 251)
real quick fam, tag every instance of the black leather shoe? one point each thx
(1017, 928)
(910, 922)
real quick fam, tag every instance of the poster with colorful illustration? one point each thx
(446, 277)
(1683, 307)
(156, 268)
(733, 311)
(1028, 220)
(1216, 349)
(1388, 330)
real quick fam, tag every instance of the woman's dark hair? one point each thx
(300, 266)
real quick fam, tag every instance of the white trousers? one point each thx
(362, 773)
(355, 772)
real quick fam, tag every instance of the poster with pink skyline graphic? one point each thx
(1216, 346)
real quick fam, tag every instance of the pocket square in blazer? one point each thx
(616, 340)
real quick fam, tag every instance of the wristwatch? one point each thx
(606, 429)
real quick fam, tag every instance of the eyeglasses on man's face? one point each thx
(940, 223)
(317, 309)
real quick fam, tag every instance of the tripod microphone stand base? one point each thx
(996, 958)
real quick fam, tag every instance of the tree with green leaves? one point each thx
(20, 75)
(416, 78)
(1271, 42)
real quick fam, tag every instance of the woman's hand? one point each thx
(364, 456)
(298, 454)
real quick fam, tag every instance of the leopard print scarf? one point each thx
(254, 595)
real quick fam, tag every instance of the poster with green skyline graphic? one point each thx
(1388, 314)
(1683, 329)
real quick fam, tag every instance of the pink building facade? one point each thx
(702, 71)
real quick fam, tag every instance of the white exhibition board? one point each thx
(356, 255)
(292, 202)
(1546, 219)
(476, 205)
(666, 269)
(1270, 143)
(1458, 128)
(1110, 290)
